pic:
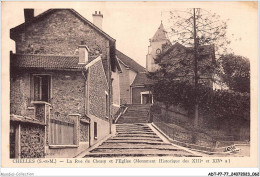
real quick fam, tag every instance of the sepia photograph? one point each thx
(136, 82)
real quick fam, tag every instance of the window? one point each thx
(95, 130)
(40, 88)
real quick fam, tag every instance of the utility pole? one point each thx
(195, 50)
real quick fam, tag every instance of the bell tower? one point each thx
(155, 48)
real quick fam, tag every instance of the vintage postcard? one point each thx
(129, 84)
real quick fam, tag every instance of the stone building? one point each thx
(61, 84)
(130, 70)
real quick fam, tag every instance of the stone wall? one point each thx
(136, 94)
(32, 141)
(124, 85)
(68, 90)
(84, 132)
(20, 94)
(67, 93)
(116, 88)
(60, 33)
(98, 87)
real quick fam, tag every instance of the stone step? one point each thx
(136, 134)
(132, 115)
(135, 117)
(133, 131)
(137, 111)
(133, 120)
(135, 138)
(122, 120)
(129, 127)
(136, 146)
(97, 155)
(135, 141)
(144, 135)
(137, 153)
(138, 107)
(125, 126)
(134, 125)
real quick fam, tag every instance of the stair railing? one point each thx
(121, 112)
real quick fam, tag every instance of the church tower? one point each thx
(155, 48)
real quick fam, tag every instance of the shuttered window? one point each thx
(41, 88)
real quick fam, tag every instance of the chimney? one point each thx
(98, 19)
(28, 14)
(83, 53)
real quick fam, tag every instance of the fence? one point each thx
(62, 132)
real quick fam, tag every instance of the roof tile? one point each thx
(46, 61)
(141, 79)
(129, 62)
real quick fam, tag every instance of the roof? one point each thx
(37, 18)
(129, 62)
(46, 61)
(203, 50)
(141, 79)
(160, 35)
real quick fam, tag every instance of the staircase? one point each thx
(135, 113)
(136, 140)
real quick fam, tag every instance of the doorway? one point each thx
(146, 97)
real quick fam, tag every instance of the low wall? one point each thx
(32, 141)
(183, 135)
(224, 129)
(67, 152)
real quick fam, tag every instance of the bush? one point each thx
(227, 104)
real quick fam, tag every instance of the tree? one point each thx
(194, 33)
(235, 72)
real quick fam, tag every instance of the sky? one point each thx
(132, 24)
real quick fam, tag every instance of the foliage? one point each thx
(179, 74)
(179, 92)
(235, 72)
(175, 81)
(220, 104)
(210, 28)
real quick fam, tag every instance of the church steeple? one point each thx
(160, 35)
(158, 40)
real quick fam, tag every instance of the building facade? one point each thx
(130, 70)
(60, 83)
